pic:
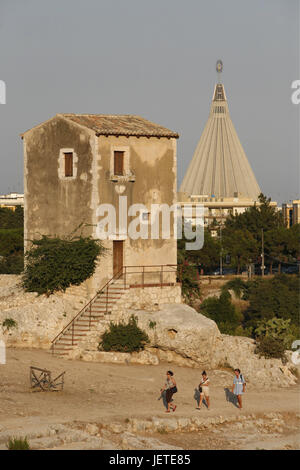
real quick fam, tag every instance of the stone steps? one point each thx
(91, 315)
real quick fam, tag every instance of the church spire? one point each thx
(220, 166)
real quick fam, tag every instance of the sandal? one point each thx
(174, 408)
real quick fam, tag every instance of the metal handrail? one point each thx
(117, 276)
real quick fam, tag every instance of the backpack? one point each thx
(242, 378)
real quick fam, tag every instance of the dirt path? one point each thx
(109, 392)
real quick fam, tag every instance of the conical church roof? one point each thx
(219, 166)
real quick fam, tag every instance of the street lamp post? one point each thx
(221, 260)
(262, 254)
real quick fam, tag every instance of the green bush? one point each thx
(124, 337)
(188, 276)
(278, 329)
(223, 312)
(20, 443)
(240, 331)
(53, 264)
(9, 323)
(273, 337)
(12, 264)
(276, 297)
(237, 285)
(270, 347)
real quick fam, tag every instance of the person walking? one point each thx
(204, 390)
(239, 386)
(170, 388)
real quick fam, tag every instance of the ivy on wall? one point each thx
(53, 264)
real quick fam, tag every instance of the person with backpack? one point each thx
(170, 388)
(239, 386)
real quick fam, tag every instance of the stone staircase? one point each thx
(96, 310)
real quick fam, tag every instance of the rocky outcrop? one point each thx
(38, 318)
(179, 330)
(238, 352)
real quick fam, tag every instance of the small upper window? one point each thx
(118, 163)
(68, 164)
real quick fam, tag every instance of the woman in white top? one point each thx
(204, 390)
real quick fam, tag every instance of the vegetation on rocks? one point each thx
(124, 337)
(9, 323)
(276, 297)
(18, 443)
(273, 337)
(53, 264)
(270, 348)
(269, 315)
(223, 312)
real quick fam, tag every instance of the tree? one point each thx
(209, 255)
(293, 241)
(241, 245)
(11, 219)
(275, 244)
(222, 311)
(257, 218)
(276, 297)
(11, 240)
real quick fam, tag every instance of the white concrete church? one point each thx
(219, 176)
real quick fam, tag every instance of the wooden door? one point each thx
(117, 256)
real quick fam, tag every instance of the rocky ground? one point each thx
(112, 406)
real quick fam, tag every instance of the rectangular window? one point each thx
(68, 164)
(119, 163)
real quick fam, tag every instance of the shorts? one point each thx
(205, 391)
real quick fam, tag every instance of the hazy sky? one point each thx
(156, 59)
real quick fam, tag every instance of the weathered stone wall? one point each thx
(54, 205)
(39, 318)
(152, 162)
(148, 299)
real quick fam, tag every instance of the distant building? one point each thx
(296, 211)
(219, 176)
(287, 214)
(291, 213)
(216, 210)
(12, 200)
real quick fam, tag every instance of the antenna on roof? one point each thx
(219, 69)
